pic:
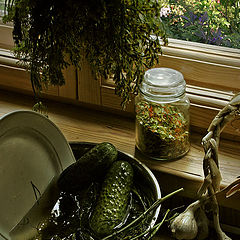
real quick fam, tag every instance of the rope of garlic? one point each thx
(180, 226)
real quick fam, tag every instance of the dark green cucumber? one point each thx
(112, 203)
(91, 166)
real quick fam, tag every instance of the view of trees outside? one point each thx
(214, 22)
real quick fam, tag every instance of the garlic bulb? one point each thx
(184, 226)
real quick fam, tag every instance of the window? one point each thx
(1, 7)
(211, 72)
(215, 22)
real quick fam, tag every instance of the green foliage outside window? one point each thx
(1, 7)
(214, 22)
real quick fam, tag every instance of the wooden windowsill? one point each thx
(79, 123)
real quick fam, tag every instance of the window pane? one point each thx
(2, 7)
(215, 22)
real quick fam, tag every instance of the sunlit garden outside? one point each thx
(214, 22)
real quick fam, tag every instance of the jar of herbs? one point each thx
(162, 115)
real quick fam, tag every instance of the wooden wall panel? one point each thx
(69, 90)
(88, 86)
(13, 77)
(19, 80)
(111, 100)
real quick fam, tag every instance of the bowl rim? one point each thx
(147, 169)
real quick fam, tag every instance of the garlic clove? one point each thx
(184, 226)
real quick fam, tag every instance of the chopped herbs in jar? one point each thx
(162, 130)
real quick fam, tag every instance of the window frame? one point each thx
(212, 74)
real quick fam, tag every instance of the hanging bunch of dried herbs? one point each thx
(113, 35)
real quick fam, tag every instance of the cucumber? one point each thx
(91, 166)
(112, 204)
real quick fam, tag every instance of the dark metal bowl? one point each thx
(142, 174)
(143, 178)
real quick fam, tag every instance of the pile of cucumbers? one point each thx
(98, 196)
(112, 203)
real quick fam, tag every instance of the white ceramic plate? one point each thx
(33, 152)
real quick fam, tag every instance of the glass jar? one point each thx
(162, 115)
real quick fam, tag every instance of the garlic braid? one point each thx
(210, 162)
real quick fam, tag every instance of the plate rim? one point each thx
(36, 114)
(54, 142)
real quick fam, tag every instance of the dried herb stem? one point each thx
(154, 229)
(135, 191)
(143, 215)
